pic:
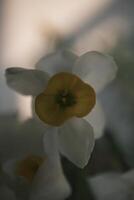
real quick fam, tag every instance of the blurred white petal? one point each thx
(96, 69)
(50, 141)
(26, 82)
(50, 182)
(16, 140)
(76, 141)
(18, 184)
(97, 119)
(129, 177)
(7, 97)
(9, 167)
(59, 61)
(121, 123)
(110, 186)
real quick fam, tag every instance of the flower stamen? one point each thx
(65, 99)
(28, 167)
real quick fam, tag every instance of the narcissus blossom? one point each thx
(64, 89)
(31, 167)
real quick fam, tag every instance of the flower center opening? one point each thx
(65, 99)
(28, 167)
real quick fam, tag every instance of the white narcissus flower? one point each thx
(30, 170)
(64, 88)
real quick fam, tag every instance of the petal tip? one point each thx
(13, 70)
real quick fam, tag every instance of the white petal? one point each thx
(76, 141)
(26, 82)
(18, 140)
(97, 119)
(19, 184)
(129, 177)
(110, 186)
(60, 61)
(96, 69)
(32, 134)
(49, 182)
(7, 97)
(51, 144)
(9, 168)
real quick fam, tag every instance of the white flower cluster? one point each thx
(74, 139)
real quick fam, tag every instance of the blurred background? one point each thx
(34, 28)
